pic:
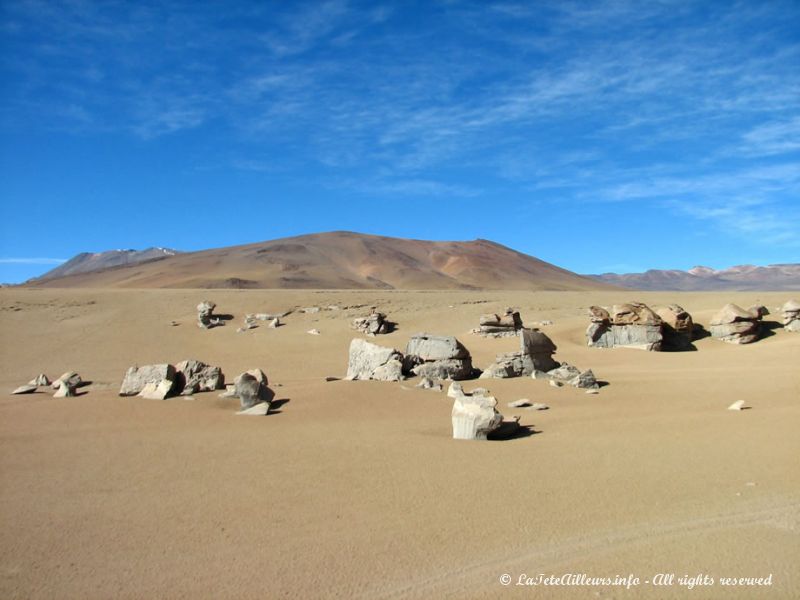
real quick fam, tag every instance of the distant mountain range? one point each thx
(335, 260)
(89, 262)
(781, 277)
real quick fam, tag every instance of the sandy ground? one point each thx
(356, 489)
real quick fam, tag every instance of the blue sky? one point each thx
(602, 136)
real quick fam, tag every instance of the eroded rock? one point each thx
(136, 378)
(735, 325)
(370, 361)
(437, 357)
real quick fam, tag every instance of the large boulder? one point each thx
(631, 325)
(678, 326)
(370, 361)
(251, 387)
(194, 376)
(735, 325)
(136, 378)
(506, 325)
(437, 357)
(790, 315)
(474, 416)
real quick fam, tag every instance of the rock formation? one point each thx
(150, 377)
(252, 389)
(194, 376)
(474, 416)
(71, 378)
(677, 327)
(507, 325)
(790, 313)
(566, 374)
(735, 325)
(374, 324)
(437, 357)
(370, 361)
(632, 325)
(65, 389)
(536, 354)
(205, 315)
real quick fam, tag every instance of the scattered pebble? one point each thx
(519, 403)
(538, 406)
(313, 331)
(554, 383)
(738, 405)
(592, 391)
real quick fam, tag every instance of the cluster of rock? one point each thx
(735, 325)
(428, 356)
(205, 315)
(677, 326)
(535, 359)
(632, 325)
(65, 386)
(252, 390)
(374, 324)
(790, 313)
(536, 354)
(159, 382)
(492, 325)
(475, 416)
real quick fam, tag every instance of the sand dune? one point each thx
(341, 260)
(355, 489)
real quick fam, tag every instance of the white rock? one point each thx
(157, 391)
(25, 389)
(136, 378)
(455, 390)
(275, 323)
(70, 377)
(257, 410)
(738, 405)
(313, 331)
(40, 379)
(474, 417)
(537, 406)
(519, 403)
(370, 361)
(65, 390)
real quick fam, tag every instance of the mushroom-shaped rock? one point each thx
(678, 326)
(205, 314)
(632, 325)
(492, 325)
(735, 325)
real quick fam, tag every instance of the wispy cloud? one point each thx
(32, 261)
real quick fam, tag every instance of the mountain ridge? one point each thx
(337, 260)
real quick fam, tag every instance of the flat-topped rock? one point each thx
(136, 378)
(734, 325)
(437, 357)
(371, 361)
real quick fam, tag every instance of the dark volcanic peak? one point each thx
(89, 262)
(778, 277)
(337, 260)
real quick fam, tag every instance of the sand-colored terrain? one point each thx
(356, 489)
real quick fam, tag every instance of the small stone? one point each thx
(257, 410)
(538, 406)
(738, 405)
(455, 390)
(65, 390)
(25, 389)
(592, 391)
(40, 379)
(332, 378)
(313, 331)
(519, 403)
(70, 377)
(554, 383)
(275, 323)
(157, 391)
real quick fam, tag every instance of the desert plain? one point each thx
(356, 489)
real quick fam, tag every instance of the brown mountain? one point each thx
(339, 260)
(782, 277)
